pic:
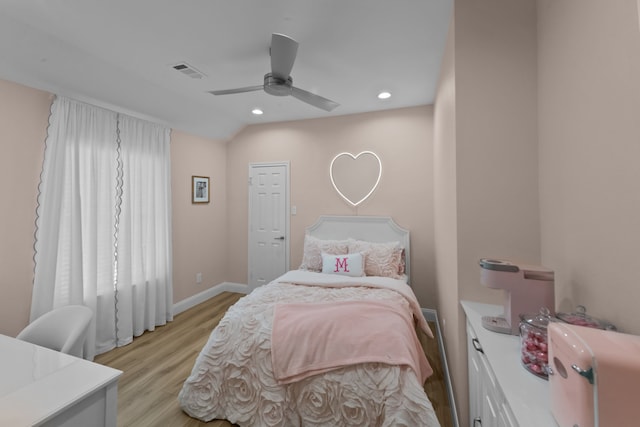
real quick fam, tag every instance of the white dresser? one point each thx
(501, 391)
(42, 387)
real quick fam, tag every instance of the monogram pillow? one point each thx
(345, 264)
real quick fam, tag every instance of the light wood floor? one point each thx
(156, 364)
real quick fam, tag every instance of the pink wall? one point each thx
(545, 103)
(24, 115)
(446, 219)
(589, 55)
(486, 125)
(496, 137)
(199, 230)
(402, 139)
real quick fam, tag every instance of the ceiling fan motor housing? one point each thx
(277, 86)
(279, 82)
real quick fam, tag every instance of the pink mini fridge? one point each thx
(594, 377)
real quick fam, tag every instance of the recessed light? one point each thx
(384, 95)
(257, 111)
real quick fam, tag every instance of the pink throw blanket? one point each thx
(312, 338)
(310, 278)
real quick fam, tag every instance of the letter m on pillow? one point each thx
(342, 266)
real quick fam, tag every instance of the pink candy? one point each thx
(534, 351)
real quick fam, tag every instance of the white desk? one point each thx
(527, 395)
(42, 387)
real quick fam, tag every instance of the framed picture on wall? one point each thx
(200, 189)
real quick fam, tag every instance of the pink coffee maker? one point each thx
(527, 289)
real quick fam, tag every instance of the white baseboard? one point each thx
(201, 297)
(432, 316)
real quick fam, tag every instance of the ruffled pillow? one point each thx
(347, 265)
(403, 263)
(381, 259)
(314, 247)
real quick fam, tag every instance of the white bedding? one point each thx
(233, 377)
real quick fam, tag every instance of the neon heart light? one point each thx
(344, 181)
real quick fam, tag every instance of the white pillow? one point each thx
(345, 264)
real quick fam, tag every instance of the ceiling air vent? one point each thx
(188, 70)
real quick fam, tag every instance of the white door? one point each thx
(268, 222)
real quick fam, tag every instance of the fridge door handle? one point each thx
(587, 373)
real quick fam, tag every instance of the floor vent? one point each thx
(188, 70)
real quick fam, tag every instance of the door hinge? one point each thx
(250, 180)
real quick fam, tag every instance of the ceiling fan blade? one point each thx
(283, 54)
(313, 99)
(238, 90)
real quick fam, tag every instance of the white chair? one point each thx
(63, 329)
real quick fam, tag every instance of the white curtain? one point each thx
(103, 230)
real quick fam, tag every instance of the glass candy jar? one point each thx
(581, 318)
(533, 342)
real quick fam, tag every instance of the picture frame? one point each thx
(200, 190)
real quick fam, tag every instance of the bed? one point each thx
(332, 343)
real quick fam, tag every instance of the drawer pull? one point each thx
(478, 347)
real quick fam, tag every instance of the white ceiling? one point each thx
(119, 54)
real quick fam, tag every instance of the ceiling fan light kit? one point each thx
(278, 82)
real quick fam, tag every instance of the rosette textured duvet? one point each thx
(233, 377)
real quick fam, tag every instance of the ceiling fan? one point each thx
(278, 82)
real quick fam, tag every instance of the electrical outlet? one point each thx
(199, 278)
